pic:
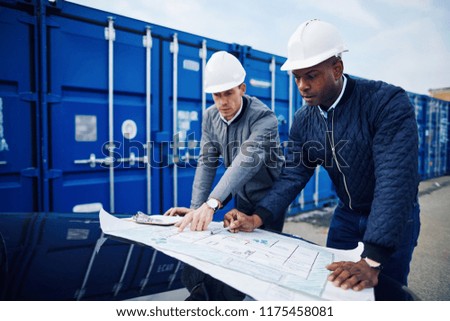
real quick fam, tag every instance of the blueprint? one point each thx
(286, 267)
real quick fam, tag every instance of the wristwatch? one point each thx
(373, 264)
(213, 204)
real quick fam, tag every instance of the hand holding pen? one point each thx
(238, 221)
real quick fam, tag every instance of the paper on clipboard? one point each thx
(155, 219)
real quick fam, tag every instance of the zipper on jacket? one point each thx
(333, 151)
(229, 156)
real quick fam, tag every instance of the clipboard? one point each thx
(156, 219)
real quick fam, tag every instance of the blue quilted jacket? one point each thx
(374, 166)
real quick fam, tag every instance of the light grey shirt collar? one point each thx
(228, 122)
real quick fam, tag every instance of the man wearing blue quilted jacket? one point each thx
(364, 133)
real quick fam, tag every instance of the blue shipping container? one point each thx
(19, 123)
(432, 122)
(66, 257)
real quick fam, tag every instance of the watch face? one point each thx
(213, 203)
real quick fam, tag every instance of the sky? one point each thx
(403, 42)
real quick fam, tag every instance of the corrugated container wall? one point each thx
(101, 110)
(19, 122)
(433, 126)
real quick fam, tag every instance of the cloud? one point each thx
(413, 56)
(347, 10)
(422, 5)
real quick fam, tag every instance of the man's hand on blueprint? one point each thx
(238, 221)
(180, 211)
(351, 275)
(199, 219)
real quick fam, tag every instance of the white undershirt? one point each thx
(228, 122)
(325, 113)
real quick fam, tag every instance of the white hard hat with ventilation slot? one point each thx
(223, 71)
(313, 42)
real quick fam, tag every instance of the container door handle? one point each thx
(187, 156)
(92, 161)
(133, 159)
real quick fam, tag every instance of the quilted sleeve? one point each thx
(292, 180)
(395, 156)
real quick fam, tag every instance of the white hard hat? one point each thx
(223, 71)
(313, 42)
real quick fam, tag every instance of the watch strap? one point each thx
(373, 264)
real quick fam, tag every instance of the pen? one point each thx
(218, 230)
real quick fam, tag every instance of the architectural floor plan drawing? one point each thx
(280, 262)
